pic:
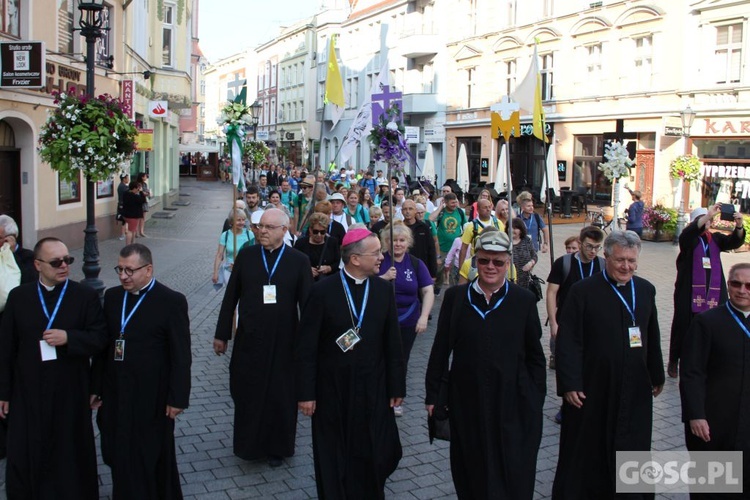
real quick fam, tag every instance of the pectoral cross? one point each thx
(712, 303)
(698, 300)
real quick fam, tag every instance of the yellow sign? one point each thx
(505, 119)
(144, 141)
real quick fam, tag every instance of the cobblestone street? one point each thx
(184, 249)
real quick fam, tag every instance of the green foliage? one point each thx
(255, 152)
(91, 135)
(686, 167)
(160, 10)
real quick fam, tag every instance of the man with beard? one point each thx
(350, 374)
(141, 381)
(609, 369)
(49, 331)
(269, 281)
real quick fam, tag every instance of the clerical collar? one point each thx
(357, 281)
(744, 313)
(616, 283)
(47, 287)
(138, 292)
(478, 289)
(271, 251)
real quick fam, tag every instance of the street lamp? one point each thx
(255, 109)
(687, 116)
(281, 143)
(91, 22)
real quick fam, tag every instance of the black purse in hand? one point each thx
(535, 285)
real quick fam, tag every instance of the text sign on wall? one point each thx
(126, 97)
(22, 65)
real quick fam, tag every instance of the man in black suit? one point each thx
(24, 257)
(141, 381)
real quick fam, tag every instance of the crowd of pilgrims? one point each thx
(328, 280)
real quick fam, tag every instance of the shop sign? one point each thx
(158, 109)
(22, 65)
(126, 97)
(722, 126)
(144, 141)
(741, 176)
(412, 135)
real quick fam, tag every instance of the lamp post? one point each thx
(281, 143)
(687, 116)
(91, 28)
(255, 107)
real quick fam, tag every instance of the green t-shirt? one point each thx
(449, 227)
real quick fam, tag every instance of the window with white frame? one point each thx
(471, 80)
(65, 25)
(547, 73)
(508, 75)
(548, 8)
(103, 44)
(728, 55)
(643, 58)
(354, 94)
(168, 29)
(594, 60)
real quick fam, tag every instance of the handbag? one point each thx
(535, 285)
(438, 424)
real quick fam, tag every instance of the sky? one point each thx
(229, 26)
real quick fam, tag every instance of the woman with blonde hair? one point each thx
(235, 237)
(412, 281)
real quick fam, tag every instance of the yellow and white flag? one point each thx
(528, 94)
(334, 90)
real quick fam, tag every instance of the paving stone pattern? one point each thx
(184, 249)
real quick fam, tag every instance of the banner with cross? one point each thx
(505, 119)
(382, 101)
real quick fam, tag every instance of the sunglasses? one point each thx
(318, 232)
(739, 284)
(495, 262)
(57, 263)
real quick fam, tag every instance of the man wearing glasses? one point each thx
(351, 373)
(714, 373)
(50, 330)
(270, 281)
(497, 381)
(141, 381)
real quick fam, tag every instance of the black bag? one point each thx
(535, 285)
(438, 425)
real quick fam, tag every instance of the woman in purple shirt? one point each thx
(412, 279)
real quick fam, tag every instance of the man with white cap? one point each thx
(337, 210)
(350, 373)
(497, 380)
(700, 283)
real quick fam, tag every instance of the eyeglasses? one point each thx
(586, 246)
(304, 187)
(57, 263)
(128, 271)
(739, 284)
(319, 232)
(495, 262)
(261, 227)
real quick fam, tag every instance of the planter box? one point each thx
(650, 235)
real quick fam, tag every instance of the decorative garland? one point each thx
(388, 138)
(618, 162)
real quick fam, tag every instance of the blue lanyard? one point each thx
(123, 320)
(580, 266)
(705, 246)
(358, 315)
(622, 299)
(265, 262)
(737, 319)
(479, 312)
(57, 306)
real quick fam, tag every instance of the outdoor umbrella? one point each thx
(502, 182)
(462, 169)
(551, 174)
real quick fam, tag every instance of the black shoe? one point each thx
(437, 291)
(274, 461)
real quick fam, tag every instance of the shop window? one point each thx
(587, 178)
(10, 24)
(728, 56)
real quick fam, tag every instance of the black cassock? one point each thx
(497, 385)
(683, 286)
(261, 372)
(136, 435)
(594, 356)
(51, 452)
(715, 384)
(356, 444)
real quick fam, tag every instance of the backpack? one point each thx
(568, 261)
(475, 222)
(245, 245)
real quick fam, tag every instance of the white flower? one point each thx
(392, 126)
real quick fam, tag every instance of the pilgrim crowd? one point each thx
(327, 281)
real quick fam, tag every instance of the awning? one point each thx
(198, 148)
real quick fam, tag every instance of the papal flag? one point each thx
(362, 123)
(334, 90)
(528, 94)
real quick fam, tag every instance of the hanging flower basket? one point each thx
(618, 162)
(388, 138)
(686, 167)
(87, 134)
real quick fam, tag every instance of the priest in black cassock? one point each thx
(49, 331)
(270, 281)
(609, 369)
(496, 382)
(715, 376)
(700, 284)
(351, 373)
(141, 381)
